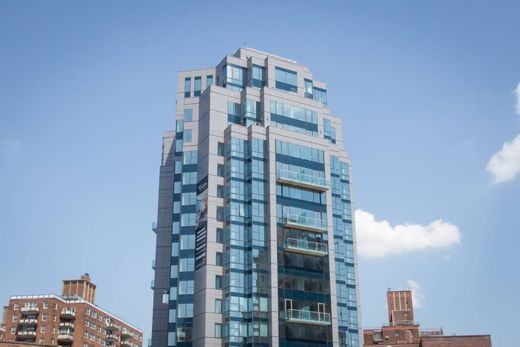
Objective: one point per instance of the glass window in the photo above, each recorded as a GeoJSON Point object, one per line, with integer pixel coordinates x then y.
{"type": "Point", "coordinates": [190, 157]}
{"type": "Point", "coordinates": [298, 151]}
{"type": "Point", "coordinates": [329, 132]}
{"type": "Point", "coordinates": [218, 259]}
{"type": "Point", "coordinates": [187, 241]}
{"type": "Point", "coordinates": [209, 80]}
{"type": "Point", "coordinates": [234, 77]}
{"type": "Point", "coordinates": [320, 95]}
{"type": "Point", "coordinates": [258, 76]}
{"type": "Point", "coordinates": [220, 170]}
{"type": "Point", "coordinates": [185, 287]}
{"type": "Point", "coordinates": [294, 118]}
{"type": "Point", "coordinates": [218, 282]}
{"type": "Point", "coordinates": [286, 80]}
{"type": "Point", "coordinates": [234, 115]}
{"type": "Point", "coordinates": [220, 191]}
{"type": "Point", "coordinates": [220, 149]}
{"type": "Point", "coordinates": [219, 235]}
{"type": "Point", "coordinates": [187, 87]}
{"type": "Point", "coordinates": [188, 115]}
{"type": "Point", "coordinates": [187, 135]}
{"type": "Point", "coordinates": [220, 213]}
{"type": "Point", "coordinates": [196, 86]}
{"type": "Point", "coordinates": [189, 198]}
{"type": "Point", "coordinates": [178, 145]}
{"type": "Point", "coordinates": [189, 178]}
{"type": "Point", "coordinates": [308, 88]}
{"type": "Point", "coordinates": [185, 310]}
{"type": "Point", "coordinates": [179, 127]}
{"type": "Point", "coordinates": [188, 219]}
{"type": "Point", "coordinates": [218, 306]}
{"type": "Point", "coordinates": [186, 264]}
{"type": "Point", "coordinates": [178, 166]}
{"type": "Point", "coordinates": [218, 330]}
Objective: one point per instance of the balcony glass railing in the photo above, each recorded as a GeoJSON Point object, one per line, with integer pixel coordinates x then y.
{"type": "Point", "coordinates": [304, 221]}
{"type": "Point", "coordinates": [304, 245]}
{"type": "Point", "coordinates": [308, 316]}
{"type": "Point", "coordinates": [302, 178]}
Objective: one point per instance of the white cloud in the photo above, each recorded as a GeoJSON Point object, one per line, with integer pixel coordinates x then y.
{"type": "Point", "coordinates": [10, 145]}
{"type": "Point", "coordinates": [377, 239]}
{"type": "Point", "coordinates": [504, 165]}
{"type": "Point", "coordinates": [517, 93]}
{"type": "Point", "coordinates": [418, 297]}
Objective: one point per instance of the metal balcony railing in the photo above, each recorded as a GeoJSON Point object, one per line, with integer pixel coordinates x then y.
{"type": "Point", "coordinates": [308, 317]}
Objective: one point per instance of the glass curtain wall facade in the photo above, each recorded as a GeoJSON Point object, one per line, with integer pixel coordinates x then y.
{"type": "Point", "coordinates": [255, 233]}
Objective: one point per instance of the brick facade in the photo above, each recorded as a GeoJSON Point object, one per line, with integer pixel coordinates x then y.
{"type": "Point", "coordinates": [403, 331]}
{"type": "Point", "coordinates": [65, 320]}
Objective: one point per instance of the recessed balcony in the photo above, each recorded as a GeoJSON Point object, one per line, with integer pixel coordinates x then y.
{"type": "Point", "coordinates": [30, 309]}
{"type": "Point", "coordinates": [302, 180]}
{"type": "Point", "coordinates": [68, 313]}
{"type": "Point", "coordinates": [304, 223]}
{"type": "Point", "coordinates": [306, 247]}
{"type": "Point", "coordinates": [307, 317]}
{"type": "Point", "coordinates": [28, 321]}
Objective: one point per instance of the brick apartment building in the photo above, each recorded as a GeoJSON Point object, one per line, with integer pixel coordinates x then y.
{"type": "Point", "coordinates": [69, 320]}
{"type": "Point", "coordinates": [403, 330]}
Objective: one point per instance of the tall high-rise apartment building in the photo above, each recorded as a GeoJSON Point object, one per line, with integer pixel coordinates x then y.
{"type": "Point", "coordinates": [255, 235]}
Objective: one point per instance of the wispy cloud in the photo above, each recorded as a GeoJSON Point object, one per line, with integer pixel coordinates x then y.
{"type": "Point", "coordinates": [418, 296]}
{"type": "Point", "coordinates": [10, 145]}
{"type": "Point", "coordinates": [377, 239]}
{"type": "Point", "coordinates": [504, 165]}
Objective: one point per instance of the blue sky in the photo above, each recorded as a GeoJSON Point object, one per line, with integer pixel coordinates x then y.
{"type": "Point", "coordinates": [425, 91]}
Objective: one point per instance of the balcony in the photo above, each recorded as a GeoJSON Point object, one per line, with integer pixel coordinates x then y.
{"type": "Point", "coordinates": [307, 317]}
{"type": "Point", "coordinates": [68, 313]}
{"type": "Point", "coordinates": [65, 337]}
{"type": "Point", "coordinates": [126, 333]}
{"type": "Point", "coordinates": [306, 247]}
{"type": "Point", "coordinates": [111, 338]}
{"type": "Point", "coordinates": [28, 321]}
{"type": "Point", "coordinates": [111, 327]}
{"type": "Point", "coordinates": [302, 180]}
{"type": "Point", "coordinates": [26, 334]}
{"type": "Point", "coordinates": [304, 223]}
{"type": "Point", "coordinates": [126, 343]}
{"type": "Point", "coordinates": [30, 309]}
{"type": "Point", "coordinates": [68, 325]}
